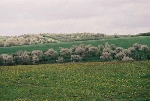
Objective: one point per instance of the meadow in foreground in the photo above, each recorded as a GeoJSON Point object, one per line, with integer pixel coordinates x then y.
{"type": "Point", "coordinates": [90, 81]}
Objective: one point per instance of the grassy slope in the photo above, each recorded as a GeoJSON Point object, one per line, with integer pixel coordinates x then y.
{"type": "Point", "coordinates": [95, 81]}
{"type": "Point", "coordinates": [123, 42]}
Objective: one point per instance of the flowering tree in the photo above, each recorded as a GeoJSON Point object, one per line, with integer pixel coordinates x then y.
{"type": "Point", "coordinates": [37, 56]}
{"type": "Point", "coordinates": [60, 60]}
{"type": "Point", "coordinates": [93, 50]}
{"type": "Point", "coordinates": [106, 56]}
{"type": "Point", "coordinates": [35, 59]}
{"type": "Point", "coordinates": [80, 50]}
{"type": "Point", "coordinates": [126, 58]}
{"type": "Point", "coordinates": [25, 58]}
{"type": "Point", "coordinates": [64, 52]}
{"type": "Point", "coordinates": [75, 58]}
{"type": "Point", "coordinates": [6, 59]}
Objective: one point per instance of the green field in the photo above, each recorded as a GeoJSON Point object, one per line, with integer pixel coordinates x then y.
{"type": "Point", "coordinates": [122, 42]}
{"type": "Point", "coordinates": [91, 81]}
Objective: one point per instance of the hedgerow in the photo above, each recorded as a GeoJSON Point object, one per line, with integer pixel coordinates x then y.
{"type": "Point", "coordinates": [82, 52]}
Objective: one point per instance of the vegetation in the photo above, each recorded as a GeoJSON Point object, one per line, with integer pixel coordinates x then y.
{"type": "Point", "coordinates": [144, 34]}
{"type": "Point", "coordinates": [32, 39]}
{"type": "Point", "coordinates": [97, 81]}
{"type": "Point", "coordinates": [124, 42]}
{"type": "Point", "coordinates": [78, 53]}
{"type": "Point", "coordinates": [115, 76]}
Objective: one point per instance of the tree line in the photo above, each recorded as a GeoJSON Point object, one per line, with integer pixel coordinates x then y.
{"type": "Point", "coordinates": [43, 38]}
{"type": "Point", "coordinates": [76, 53]}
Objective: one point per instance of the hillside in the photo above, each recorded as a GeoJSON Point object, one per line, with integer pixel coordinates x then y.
{"type": "Point", "coordinates": [96, 81]}
{"type": "Point", "coordinates": [124, 42]}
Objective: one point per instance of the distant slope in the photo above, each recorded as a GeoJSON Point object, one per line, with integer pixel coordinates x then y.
{"type": "Point", "coordinates": [124, 42]}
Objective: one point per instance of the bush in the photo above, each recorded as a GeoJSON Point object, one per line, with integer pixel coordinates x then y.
{"type": "Point", "coordinates": [35, 59]}
{"type": "Point", "coordinates": [106, 56]}
{"type": "Point", "coordinates": [6, 59]}
{"type": "Point", "coordinates": [126, 58]}
{"type": "Point", "coordinates": [60, 60]}
{"type": "Point", "coordinates": [75, 58]}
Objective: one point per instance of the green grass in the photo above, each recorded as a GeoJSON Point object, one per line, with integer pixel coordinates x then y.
{"type": "Point", "coordinates": [122, 42]}
{"type": "Point", "coordinates": [91, 81]}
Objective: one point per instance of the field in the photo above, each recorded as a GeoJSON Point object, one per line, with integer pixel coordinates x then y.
{"type": "Point", "coordinates": [90, 81]}
{"type": "Point", "coordinates": [122, 42]}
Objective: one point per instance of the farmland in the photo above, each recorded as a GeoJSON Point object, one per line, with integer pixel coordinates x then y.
{"type": "Point", "coordinates": [89, 81]}
{"type": "Point", "coordinates": [124, 42]}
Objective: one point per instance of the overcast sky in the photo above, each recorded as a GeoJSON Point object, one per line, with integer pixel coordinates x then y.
{"type": "Point", "coordinates": [69, 16]}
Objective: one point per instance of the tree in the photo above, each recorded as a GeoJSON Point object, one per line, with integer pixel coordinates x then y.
{"type": "Point", "coordinates": [107, 45]}
{"type": "Point", "coordinates": [50, 54]}
{"type": "Point", "coordinates": [106, 56]}
{"type": "Point", "coordinates": [137, 46]}
{"type": "Point", "coordinates": [73, 48]}
{"type": "Point", "coordinates": [100, 49]}
{"type": "Point", "coordinates": [25, 58]}
{"type": "Point", "coordinates": [64, 52]}
{"type": "Point", "coordinates": [37, 54]}
{"type": "Point", "coordinates": [107, 49]}
{"type": "Point", "coordinates": [60, 60]}
{"type": "Point", "coordinates": [93, 50]}
{"type": "Point", "coordinates": [113, 47]}
{"type": "Point", "coordinates": [75, 58]}
{"type": "Point", "coordinates": [120, 55]}
{"type": "Point", "coordinates": [126, 58]}
{"type": "Point", "coordinates": [6, 59]}
{"type": "Point", "coordinates": [118, 49]}
{"type": "Point", "coordinates": [145, 49]}
{"type": "Point", "coordinates": [35, 59]}
{"type": "Point", "coordinates": [80, 50]}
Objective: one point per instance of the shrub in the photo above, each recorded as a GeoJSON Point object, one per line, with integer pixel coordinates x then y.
{"type": "Point", "coordinates": [120, 55]}
{"type": "Point", "coordinates": [107, 49]}
{"type": "Point", "coordinates": [75, 58]}
{"type": "Point", "coordinates": [126, 58]}
{"type": "Point", "coordinates": [106, 56]}
{"type": "Point", "coordinates": [118, 49]}
{"type": "Point", "coordinates": [144, 48]}
{"type": "Point", "coordinates": [25, 58]}
{"type": "Point", "coordinates": [79, 50]}
{"type": "Point", "coordinates": [60, 60]}
{"type": "Point", "coordinates": [38, 53]}
{"type": "Point", "coordinates": [6, 59]}
{"type": "Point", "coordinates": [49, 52]}
{"type": "Point", "coordinates": [64, 51]}
{"type": "Point", "coordinates": [137, 46]}
{"type": "Point", "coordinates": [93, 50]}
{"type": "Point", "coordinates": [35, 59]}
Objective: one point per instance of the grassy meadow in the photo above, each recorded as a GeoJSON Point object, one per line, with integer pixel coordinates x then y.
{"type": "Point", "coordinates": [124, 42]}
{"type": "Point", "coordinates": [89, 81]}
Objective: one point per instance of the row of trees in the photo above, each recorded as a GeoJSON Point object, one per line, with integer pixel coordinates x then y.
{"type": "Point", "coordinates": [76, 53]}
{"type": "Point", "coordinates": [144, 34]}
{"type": "Point", "coordinates": [26, 39]}
{"type": "Point", "coordinates": [31, 39]}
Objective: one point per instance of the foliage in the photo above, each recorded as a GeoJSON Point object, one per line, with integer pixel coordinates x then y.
{"type": "Point", "coordinates": [81, 53]}
{"type": "Point", "coordinates": [75, 58]}
{"type": "Point", "coordinates": [6, 59]}
{"type": "Point", "coordinates": [60, 60]}
{"type": "Point", "coordinates": [144, 34]}
{"type": "Point", "coordinates": [119, 42]}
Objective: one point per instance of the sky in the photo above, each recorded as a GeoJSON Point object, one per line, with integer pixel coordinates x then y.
{"type": "Point", "coordinates": [19, 17]}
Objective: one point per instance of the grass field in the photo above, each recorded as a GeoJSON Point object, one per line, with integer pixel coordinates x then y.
{"type": "Point", "coordinates": [91, 81]}
{"type": "Point", "coordinates": [122, 42]}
